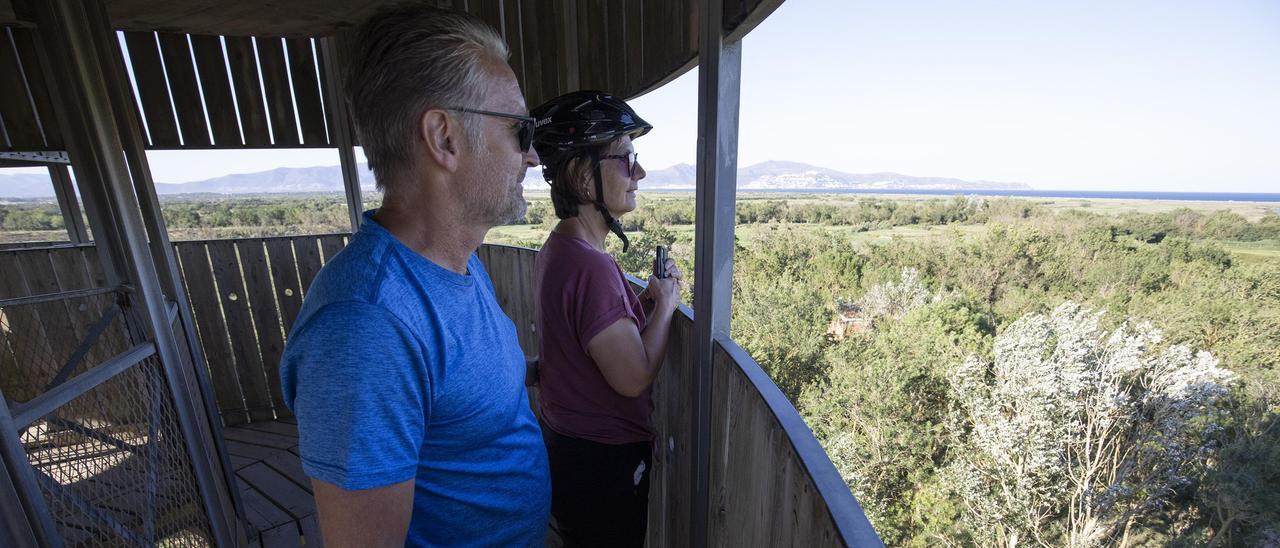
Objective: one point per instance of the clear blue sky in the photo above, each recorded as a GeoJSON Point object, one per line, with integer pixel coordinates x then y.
{"type": "Point", "coordinates": [1130, 95]}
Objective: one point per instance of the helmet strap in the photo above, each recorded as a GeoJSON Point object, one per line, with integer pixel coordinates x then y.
{"type": "Point", "coordinates": [613, 224]}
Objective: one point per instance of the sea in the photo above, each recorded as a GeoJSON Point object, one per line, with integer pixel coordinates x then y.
{"type": "Point", "coordinates": [1092, 194]}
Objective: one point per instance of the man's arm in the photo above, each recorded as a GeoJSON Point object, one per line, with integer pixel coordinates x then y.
{"type": "Point", "coordinates": [368, 517]}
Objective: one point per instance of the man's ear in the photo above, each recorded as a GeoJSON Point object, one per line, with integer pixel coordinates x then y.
{"type": "Point", "coordinates": [441, 136]}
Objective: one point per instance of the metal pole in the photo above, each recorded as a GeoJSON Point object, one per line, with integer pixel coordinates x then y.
{"type": "Point", "coordinates": [340, 134]}
{"type": "Point", "coordinates": [130, 128]}
{"type": "Point", "coordinates": [15, 529]}
{"type": "Point", "coordinates": [29, 518]}
{"type": "Point", "coordinates": [719, 80]}
{"type": "Point", "coordinates": [67, 202]}
{"type": "Point", "coordinates": [94, 143]}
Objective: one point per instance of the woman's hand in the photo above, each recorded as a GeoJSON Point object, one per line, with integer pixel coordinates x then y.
{"type": "Point", "coordinates": [664, 293]}
{"type": "Point", "coordinates": [665, 288]}
{"type": "Point", "coordinates": [673, 272]}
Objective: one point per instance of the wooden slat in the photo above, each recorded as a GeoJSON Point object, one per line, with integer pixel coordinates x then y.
{"type": "Point", "coordinates": [513, 35]}
{"type": "Point", "coordinates": [262, 439]}
{"type": "Point", "coordinates": [25, 40]}
{"type": "Point", "coordinates": [248, 450]}
{"type": "Point", "coordinates": [238, 462]}
{"type": "Point", "coordinates": [18, 112]}
{"type": "Point", "coordinates": [29, 342]}
{"type": "Point", "coordinates": [331, 245]}
{"type": "Point", "coordinates": [593, 29]}
{"type": "Point", "coordinates": [688, 13]}
{"type": "Point", "coordinates": [72, 273]}
{"type": "Point", "coordinates": [633, 32]}
{"type": "Point", "coordinates": [176, 53]}
{"type": "Point", "coordinates": [274, 427]}
{"type": "Point", "coordinates": [266, 315]}
{"type": "Point", "coordinates": [149, 76]}
{"type": "Point", "coordinates": [239, 318]}
{"type": "Point", "coordinates": [541, 35]}
{"type": "Point", "coordinates": [260, 512]}
{"type": "Point", "coordinates": [746, 437]}
{"type": "Point", "coordinates": [306, 90]}
{"type": "Point", "coordinates": [311, 532]}
{"type": "Point", "coordinates": [307, 254]}
{"type": "Point", "coordinates": [211, 66]}
{"type": "Point", "coordinates": [670, 494]}
{"type": "Point", "coordinates": [248, 92]}
{"type": "Point", "coordinates": [290, 466]}
{"type": "Point", "coordinates": [284, 126]}
{"type": "Point", "coordinates": [284, 274]}
{"type": "Point", "coordinates": [615, 21]}
{"type": "Point", "coordinates": [212, 330]}
{"type": "Point", "coordinates": [281, 490]}
{"type": "Point", "coordinates": [282, 536]}
{"type": "Point", "coordinates": [56, 317]}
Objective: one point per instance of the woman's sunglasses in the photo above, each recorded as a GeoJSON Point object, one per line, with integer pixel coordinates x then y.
{"type": "Point", "coordinates": [630, 158]}
{"type": "Point", "coordinates": [524, 130]}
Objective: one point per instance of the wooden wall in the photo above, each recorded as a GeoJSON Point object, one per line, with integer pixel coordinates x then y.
{"type": "Point", "coordinates": [209, 78]}
{"type": "Point", "coordinates": [771, 484]}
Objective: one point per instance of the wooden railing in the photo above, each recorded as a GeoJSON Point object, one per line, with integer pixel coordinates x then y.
{"type": "Point", "coordinates": [770, 484]}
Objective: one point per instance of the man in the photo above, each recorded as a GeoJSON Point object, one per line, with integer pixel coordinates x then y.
{"type": "Point", "coordinates": [406, 377]}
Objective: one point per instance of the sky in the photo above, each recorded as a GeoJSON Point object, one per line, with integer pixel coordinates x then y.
{"type": "Point", "coordinates": [1132, 95]}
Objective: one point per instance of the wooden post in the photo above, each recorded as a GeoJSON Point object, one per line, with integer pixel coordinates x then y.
{"type": "Point", "coordinates": [719, 80]}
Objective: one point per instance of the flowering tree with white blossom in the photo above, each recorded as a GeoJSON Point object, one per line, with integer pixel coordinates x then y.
{"type": "Point", "coordinates": [1072, 433]}
{"type": "Point", "coordinates": [895, 299]}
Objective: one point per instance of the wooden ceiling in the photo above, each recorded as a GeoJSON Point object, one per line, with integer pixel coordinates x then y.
{"type": "Point", "coordinates": [249, 74]}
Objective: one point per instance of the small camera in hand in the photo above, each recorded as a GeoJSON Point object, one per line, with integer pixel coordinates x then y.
{"type": "Point", "coordinates": [660, 263]}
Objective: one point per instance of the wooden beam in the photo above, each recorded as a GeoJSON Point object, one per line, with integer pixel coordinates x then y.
{"type": "Point", "coordinates": [719, 81]}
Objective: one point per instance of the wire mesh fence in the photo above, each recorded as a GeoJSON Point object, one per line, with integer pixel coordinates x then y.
{"type": "Point", "coordinates": [111, 463]}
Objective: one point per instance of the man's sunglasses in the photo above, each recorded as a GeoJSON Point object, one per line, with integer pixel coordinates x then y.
{"type": "Point", "coordinates": [524, 130]}
{"type": "Point", "coordinates": [630, 158]}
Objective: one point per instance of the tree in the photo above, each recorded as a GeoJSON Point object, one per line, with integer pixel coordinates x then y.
{"type": "Point", "coordinates": [1071, 421]}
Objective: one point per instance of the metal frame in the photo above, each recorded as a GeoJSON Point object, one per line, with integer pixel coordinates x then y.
{"type": "Point", "coordinates": [29, 506]}
{"type": "Point", "coordinates": [68, 204]}
{"type": "Point", "coordinates": [76, 35]}
{"type": "Point", "coordinates": [719, 82]}
{"type": "Point", "coordinates": [340, 133]}
{"type": "Point", "coordinates": [38, 158]}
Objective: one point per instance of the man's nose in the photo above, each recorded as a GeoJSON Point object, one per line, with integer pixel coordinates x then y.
{"type": "Point", "coordinates": [531, 158]}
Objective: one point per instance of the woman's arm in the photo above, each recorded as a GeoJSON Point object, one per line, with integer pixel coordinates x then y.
{"type": "Point", "coordinates": [628, 358]}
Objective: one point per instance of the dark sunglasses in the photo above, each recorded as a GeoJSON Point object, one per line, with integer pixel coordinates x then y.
{"type": "Point", "coordinates": [630, 158]}
{"type": "Point", "coordinates": [524, 130]}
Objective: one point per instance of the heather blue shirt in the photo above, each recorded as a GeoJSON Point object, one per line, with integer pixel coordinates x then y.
{"type": "Point", "coordinates": [400, 369]}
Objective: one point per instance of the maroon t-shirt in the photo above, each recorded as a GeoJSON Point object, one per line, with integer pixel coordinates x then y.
{"type": "Point", "coordinates": [581, 291]}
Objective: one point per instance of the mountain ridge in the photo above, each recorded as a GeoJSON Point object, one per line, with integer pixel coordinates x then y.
{"type": "Point", "coordinates": [768, 175]}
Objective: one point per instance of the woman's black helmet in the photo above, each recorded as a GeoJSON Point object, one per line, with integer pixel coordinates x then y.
{"type": "Point", "coordinates": [582, 119]}
{"type": "Point", "coordinates": [579, 123]}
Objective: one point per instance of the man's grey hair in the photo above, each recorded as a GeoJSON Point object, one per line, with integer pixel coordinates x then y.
{"type": "Point", "coordinates": [410, 59]}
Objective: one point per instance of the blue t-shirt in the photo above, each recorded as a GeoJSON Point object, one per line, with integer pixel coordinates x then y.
{"type": "Point", "coordinates": [398, 369]}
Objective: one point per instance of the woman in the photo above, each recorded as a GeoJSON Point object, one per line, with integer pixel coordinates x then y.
{"type": "Point", "coordinates": [600, 344]}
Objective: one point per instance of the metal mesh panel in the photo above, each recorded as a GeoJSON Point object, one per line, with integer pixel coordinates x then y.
{"type": "Point", "coordinates": [111, 463]}
{"type": "Point", "coordinates": [38, 341]}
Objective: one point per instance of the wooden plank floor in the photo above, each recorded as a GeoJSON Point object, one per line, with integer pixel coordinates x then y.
{"type": "Point", "coordinates": [279, 507]}
{"type": "Point", "coordinates": [276, 493]}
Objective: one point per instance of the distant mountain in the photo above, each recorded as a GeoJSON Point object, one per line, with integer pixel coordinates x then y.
{"type": "Point", "coordinates": [775, 175]}
{"type": "Point", "coordinates": [771, 175]}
